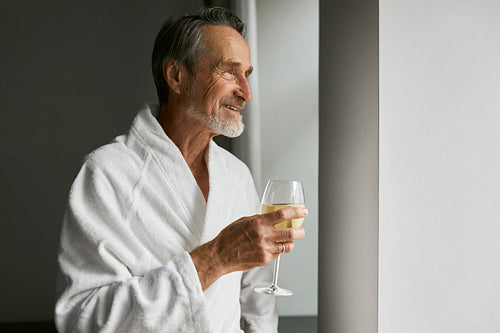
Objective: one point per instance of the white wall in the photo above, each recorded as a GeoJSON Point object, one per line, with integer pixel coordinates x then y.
{"type": "Point", "coordinates": [439, 166]}
{"type": "Point", "coordinates": [288, 72]}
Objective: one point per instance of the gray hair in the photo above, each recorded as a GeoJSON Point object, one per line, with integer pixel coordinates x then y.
{"type": "Point", "coordinates": [180, 38]}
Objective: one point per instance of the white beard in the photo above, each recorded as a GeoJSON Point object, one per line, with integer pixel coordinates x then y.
{"type": "Point", "coordinates": [229, 128]}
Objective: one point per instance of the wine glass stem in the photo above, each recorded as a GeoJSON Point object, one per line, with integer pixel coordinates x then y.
{"type": "Point", "coordinates": [276, 270]}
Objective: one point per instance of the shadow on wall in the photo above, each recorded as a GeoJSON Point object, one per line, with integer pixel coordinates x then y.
{"type": "Point", "coordinates": [29, 327]}
{"type": "Point", "coordinates": [73, 75]}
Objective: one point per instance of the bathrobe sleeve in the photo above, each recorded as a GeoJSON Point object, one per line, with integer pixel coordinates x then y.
{"type": "Point", "coordinates": [99, 289]}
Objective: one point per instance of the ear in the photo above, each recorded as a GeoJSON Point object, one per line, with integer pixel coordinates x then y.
{"type": "Point", "coordinates": [173, 74]}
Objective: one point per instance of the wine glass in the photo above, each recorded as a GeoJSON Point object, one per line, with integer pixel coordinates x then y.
{"type": "Point", "coordinates": [279, 194]}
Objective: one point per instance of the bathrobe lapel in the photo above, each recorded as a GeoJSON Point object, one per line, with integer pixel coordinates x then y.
{"type": "Point", "coordinates": [217, 207]}
{"type": "Point", "coordinates": [205, 219]}
{"type": "Point", "coordinates": [224, 204]}
{"type": "Point", "coordinates": [184, 192]}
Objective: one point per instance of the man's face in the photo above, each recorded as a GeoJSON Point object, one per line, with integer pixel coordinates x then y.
{"type": "Point", "coordinates": [219, 88]}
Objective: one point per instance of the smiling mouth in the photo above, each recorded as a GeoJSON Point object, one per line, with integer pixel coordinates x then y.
{"type": "Point", "coordinates": [231, 107]}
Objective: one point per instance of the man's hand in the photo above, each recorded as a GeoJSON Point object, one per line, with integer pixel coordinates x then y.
{"type": "Point", "coordinates": [247, 243]}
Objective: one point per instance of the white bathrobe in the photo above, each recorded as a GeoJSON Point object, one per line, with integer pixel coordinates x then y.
{"type": "Point", "coordinates": [134, 212]}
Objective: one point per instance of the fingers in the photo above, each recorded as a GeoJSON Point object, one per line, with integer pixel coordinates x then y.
{"type": "Point", "coordinates": [288, 234]}
{"type": "Point", "coordinates": [249, 242]}
{"type": "Point", "coordinates": [287, 213]}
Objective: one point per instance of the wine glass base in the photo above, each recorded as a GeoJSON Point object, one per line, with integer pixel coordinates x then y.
{"type": "Point", "coordinates": [274, 291]}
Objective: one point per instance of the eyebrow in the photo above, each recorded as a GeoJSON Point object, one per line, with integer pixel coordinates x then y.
{"type": "Point", "coordinates": [222, 62]}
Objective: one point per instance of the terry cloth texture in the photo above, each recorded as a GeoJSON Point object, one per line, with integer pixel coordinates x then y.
{"type": "Point", "coordinates": [134, 213]}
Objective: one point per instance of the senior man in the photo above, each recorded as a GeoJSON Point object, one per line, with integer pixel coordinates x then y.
{"type": "Point", "coordinates": [160, 234]}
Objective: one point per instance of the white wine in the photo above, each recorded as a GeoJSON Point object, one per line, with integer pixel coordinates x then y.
{"type": "Point", "coordinates": [294, 223]}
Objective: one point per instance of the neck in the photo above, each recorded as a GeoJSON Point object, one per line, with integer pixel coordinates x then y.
{"type": "Point", "coordinates": [189, 135]}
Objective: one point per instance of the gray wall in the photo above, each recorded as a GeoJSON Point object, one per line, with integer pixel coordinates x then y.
{"type": "Point", "coordinates": [348, 166]}
{"type": "Point", "coordinates": [72, 75]}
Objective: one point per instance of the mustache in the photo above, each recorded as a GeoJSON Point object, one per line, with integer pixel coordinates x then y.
{"type": "Point", "coordinates": [234, 100]}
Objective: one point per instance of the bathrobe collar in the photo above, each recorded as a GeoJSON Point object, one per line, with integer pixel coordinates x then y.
{"type": "Point", "coordinates": [206, 216]}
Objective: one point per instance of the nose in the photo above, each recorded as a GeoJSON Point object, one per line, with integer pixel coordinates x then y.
{"type": "Point", "coordinates": [244, 90]}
